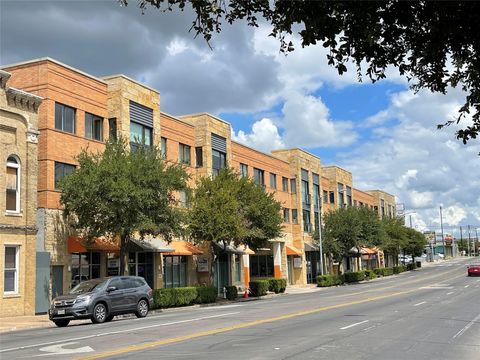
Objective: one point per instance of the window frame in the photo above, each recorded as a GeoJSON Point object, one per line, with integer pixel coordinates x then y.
{"type": "Point", "coordinates": [199, 156]}
{"type": "Point", "coordinates": [133, 142]}
{"type": "Point", "coordinates": [286, 215]}
{"type": "Point", "coordinates": [15, 270]}
{"type": "Point", "coordinates": [273, 181]}
{"type": "Point", "coordinates": [17, 166]}
{"type": "Point", "coordinates": [284, 184]}
{"type": "Point", "coordinates": [293, 186]}
{"type": "Point", "coordinates": [112, 129]}
{"type": "Point", "coordinates": [222, 160]}
{"type": "Point", "coordinates": [243, 170]}
{"type": "Point", "coordinates": [184, 154]}
{"type": "Point", "coordinates": [182, 261]}
{"type": "Point", "coordinates": [92, 118]}
{"type": "Point", "coordinates": [163, 147]}
{"type": "Point", "coordinates": [55, 179]}
{"type": "Point", "coordinates": [260, 179]}
{"type": "Point", "coordinates": [62, 120]}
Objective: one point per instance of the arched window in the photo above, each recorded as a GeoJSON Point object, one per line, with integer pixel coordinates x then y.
{"type": "Point", "coordinates": [13, 185]}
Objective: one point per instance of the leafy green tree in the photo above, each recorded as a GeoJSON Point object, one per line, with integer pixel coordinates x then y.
{"type": "Point", "coordinates": [230, 209]}
{"type": "Point", "coordinates": [434, 44]}
{"type": "Point", "coordinates": [415, 242]}
{"type": "Point", "coordinates": [120, 192]}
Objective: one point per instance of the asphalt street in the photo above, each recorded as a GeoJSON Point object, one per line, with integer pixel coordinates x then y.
{"type": "Point", "coordinates": [431, 313]}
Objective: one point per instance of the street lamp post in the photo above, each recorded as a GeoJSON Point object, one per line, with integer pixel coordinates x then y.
{"type": "Point", "coordinates": [320, 249]}
{"type": "Point", "coordinates": [443, 238]}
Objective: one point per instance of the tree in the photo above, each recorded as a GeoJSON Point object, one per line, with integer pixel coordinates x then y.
{"type": "Point", "coordinates": [120, 192]}
{"type": "Point", "coordinates": [395, 236]}
{"type": "Point", "coordinates": [229, 209]}
{"type": "Point", "coordinates": [434, 44]}
{"type": "Point", "coordinates": [415, 243]}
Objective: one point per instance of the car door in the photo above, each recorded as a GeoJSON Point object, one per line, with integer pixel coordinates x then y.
{"type": "Point", "coordinates": [130, 294]}
{"type": "Point", "coordinates": [117, 297]}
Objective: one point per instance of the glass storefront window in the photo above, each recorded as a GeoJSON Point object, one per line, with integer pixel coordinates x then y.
{"type": "Point", "coordinates": [175, 271]}
{"type": "Point", "coordinates": [85, 266]}
{"type": "Point", "coordinates": [141, 264]}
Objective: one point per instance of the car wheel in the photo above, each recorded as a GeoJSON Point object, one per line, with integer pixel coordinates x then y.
{"type": "Point", "coordinates": [142, 308]}
{"type": "Point", "coordinates": [61, 323]}
{"type": "Point", "coordinates": [99, 313]}
{"type": "Point", "coordinates": [109, 318]}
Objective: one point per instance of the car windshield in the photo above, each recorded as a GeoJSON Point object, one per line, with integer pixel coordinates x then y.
{"type": "Point", "coordinates": [88, 286]}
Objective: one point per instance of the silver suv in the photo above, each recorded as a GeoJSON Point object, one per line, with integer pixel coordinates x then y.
{"type": "Point", "coordinates": [101, 299]}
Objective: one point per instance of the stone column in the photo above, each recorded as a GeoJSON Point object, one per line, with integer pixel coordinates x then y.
{"type": "Point", "coordinates": [246, 270]}
{"type": "Point", "coordinates": [277, 260]}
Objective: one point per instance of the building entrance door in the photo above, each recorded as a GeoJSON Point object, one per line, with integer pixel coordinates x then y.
{"type": "Point", "coordinates": [290, 269]}
{"type": "Point", "coordinates": [221, 271]}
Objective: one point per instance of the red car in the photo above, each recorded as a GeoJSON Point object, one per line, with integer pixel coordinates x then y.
{"type": "Point", "coordinates": [473, 270]}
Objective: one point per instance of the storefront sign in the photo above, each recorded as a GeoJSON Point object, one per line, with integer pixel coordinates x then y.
{"type": "Point", "coordinates": [113, 267]}
{"type": "Point", "coordinates": [202, 265]}
{"type": "Point", "coordinates": [297, 262]}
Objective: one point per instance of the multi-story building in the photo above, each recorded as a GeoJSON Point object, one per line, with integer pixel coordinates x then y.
{"type": "Point", "coordinates": [81, 111]}
{"type": "Point", "coordinates": [18, 206]}
{"type": "Point", "coordinates": [384, 203]}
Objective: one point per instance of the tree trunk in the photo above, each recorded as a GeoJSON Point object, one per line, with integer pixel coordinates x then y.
{"type": "Point", "coordinates": [124, 238]}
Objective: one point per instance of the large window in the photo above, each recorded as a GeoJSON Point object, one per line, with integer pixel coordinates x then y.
{"type": "Point", "coordinates": [10, 277]}
{"type": "Point", "coordinates": [316, 190]}
{"type": "Point", "coordinates": [305, 193]}
{"type": "Point", "coordinates": [341, 201]}
{"type": "Point", "coordinates": [85, 266]}
{"type": "Point", "coordinates": [349, 196]}
{"type": "Point", "coordinates": [286, 215]}
{"type": "Point", "coordinates": [141, 264]}
{"type": "Point", "coordinates": [219, 161]}
{"type": "Point", "coordinates": [243, 170]}
{"type": "Point", "coordinates": [175, 271]}
{"type": "Point", "coordinates": [273, 181]}
{"type": "Point", "coordinates": [93, 127]}
{"type": "Point", "coordinates": [261, 265]}
{"type": "Point", "coordinates": [13, 185]}
{"type": "Point", "coordinates": [62, 170]}
{"type": "Point", "coordinates": [284, 184]}
{"type": "Point", "coordinates": [140, 135]}
{"type": "Point", "coordinates": [184, 154]}
{"type": "Point", "coordinates": [163, 147]}
{"type": "Point", "coordinates": [64, 118]}
{"type": "Point", "coordinates": [307, 226]}
{"type": "Point", "coordinates": [259, 176]}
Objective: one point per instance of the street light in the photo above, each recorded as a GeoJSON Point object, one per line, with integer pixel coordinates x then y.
{"type": "Point", "coordinates": [443, 238]}
{"type": "Point", "coordinates": [319, 204]}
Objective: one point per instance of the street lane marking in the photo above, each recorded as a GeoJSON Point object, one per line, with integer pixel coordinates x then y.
{"type": "Point", "coordinates": [59, 350]}
{"type": "Point", "coordinates": [117, 332]}
{"type": "Point", "coordinates": [450, 293]}
{"type": "Point", "coordinates": [462, 331]}
{"type": "Point", "coordinates": [420, 303]}
{"type": "Point", "coordinates": [350, 326]}
{"type": "Point", "coordinates": [466, 286]}
{"type": "Point", "coordinates": [436, 287]}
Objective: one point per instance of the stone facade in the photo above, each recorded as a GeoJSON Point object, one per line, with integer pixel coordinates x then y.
{"type": "Point", "coordinates": [19, 139]}
{"type": "Point", "coordinates": [384, 203]}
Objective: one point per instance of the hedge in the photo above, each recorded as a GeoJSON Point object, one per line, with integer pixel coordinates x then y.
{"type": "Point", "coordinates": [259, 287]}
{"type": "Point", "coordinates": [399, 269]}
{"type": "Point", "coordinates": [183, 296]}
{"type": "Point", "coordinates": [231, 292]}
{"type": "Point", "coordinates": [330, 280]}
{"type": "Point", "coordinates": [277, 285]}
{"type": "Point", "coordinates": [356, 276]}
{"type": "Point", "coordinates": [370, 274]}
{"type": "Point", "coordinates": [383, 271]}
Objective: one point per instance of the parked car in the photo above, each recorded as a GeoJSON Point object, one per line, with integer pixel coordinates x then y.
{"type": "Point", "coordinates": [473, 270]}
{"type": "Point", "coordinates": [101, 299]}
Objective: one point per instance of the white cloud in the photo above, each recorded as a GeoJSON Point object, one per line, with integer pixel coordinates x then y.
{"type": "Point", "coordinates": [264, 136]}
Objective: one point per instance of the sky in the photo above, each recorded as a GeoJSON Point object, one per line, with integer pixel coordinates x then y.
{"type": "Point", "coordinates": [383, 133]}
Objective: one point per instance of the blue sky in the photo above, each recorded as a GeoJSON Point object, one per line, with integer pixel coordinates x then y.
{"type": "Point", "coordinates": [383, 133]}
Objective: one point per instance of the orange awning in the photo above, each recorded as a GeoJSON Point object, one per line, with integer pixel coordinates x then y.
{"type": "Point", "coordinates": [291, 250]}
{"type": "Point", "coordinates": [184, 248]}
{"type": "Point", "coordinates": [368, 251]}
{"type": "Point", "coordinates": [76, 244]}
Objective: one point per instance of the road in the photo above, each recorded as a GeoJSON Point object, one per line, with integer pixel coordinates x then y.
{"type": "Point", "coordinates": [432, 313]}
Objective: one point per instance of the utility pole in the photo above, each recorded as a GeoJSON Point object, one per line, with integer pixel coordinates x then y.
{"type": "Point", "coordinates": [410, 217]}
{"type": "Point", "coordinates": [320, 249]}
{"type": "Point", "coordinates": [461, 236]}
{"type": "Point", "coordinates": [443, 237]}
{"type": "Point", "coordinates": [469, 253]}
{"type": "Point", "coordinates": [476, 240]}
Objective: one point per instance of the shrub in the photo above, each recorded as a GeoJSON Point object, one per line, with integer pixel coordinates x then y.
{"type": "Point", "coordinates": [232, 292]}
{"type": "Point", "coordinates": [185, 295]}
{"type": "Point", "coordinates": [384, 271]}
{"type": "Point", "coordinates": [354, 276]}
{"type": "Point", "coordinates": [411, 266]}
{"type": "Point", "coordinates": [418, 264]}
{"type": "Point", "coordinates": [206, 294]}
{"type": "Point", "coordinates": [163, 298]}
{"type": "Point", "coordinates": [259, 287]}
{"type": "Point", "coordinates": [330, 280]}
{"type": "Point", "coordinates": [277, 285]}
{"type": "Point", "coordinates": [370, 274]}
{"type": "Point", "coordinates": [399, 269]}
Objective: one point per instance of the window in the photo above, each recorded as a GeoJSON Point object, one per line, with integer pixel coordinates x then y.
{"type": "Point", "coordinates": [286, 215]}
{"type": "Point", "coordinates": [93, 127]}
{"type": "Point", "coordinates": [238, 267]}
{"type": "Point", "coordinates": [243, 170]}
{"type": "Point", "coordinates": [163, 147]}
{"type": "Point", "coordinates": [316, 219]}
{"type": "Point", "coordinates": [140, 135]}
{"type": "Point", "coordinates": [316, 190]}
{"type": "Point", "coordinates": [261, 265]}
{"type": "Point", "coordinates": [325, 196]}
{"type": "Point", "coordinates": [284, 184]}
{"type": "Point", "coordinates": [184, 154]}
{"type": "Point", "coordinates": [141, 264]}
{"type": "Point", "coordinates": [85, 266]}
{"type": "Point", "coordinates": [64, 118]}
{"type": "Point", "coordinates": [62, 170]}
{"type": "Point", "coordinates": [349, 196]}
{"type": "Point", "coordinates": [341, 201]}
{"type": "Point", "coordinates": [219, 161]}
{"type": "Point", "coordinates": [294, 216]}
{"type": "Point", "coordinates": [332, 197]}
{"type": "Point", "coordinates": [382, 205]}
{"type": "Point", "coordinates": [305, 193]}
{"type": "Point", "coordinates": [273, 181]}
{"type": "Point", "coordinates": [307, 226]}
{"type": "Point", "coordinates": [293, 186]}
{"type": "Point", "coordinates": [112, 129]}
{"type": "Point", "coordinates": [175, 271]}
{"type": "Point", "coordinates": [199, 156]}
{"type": "Point", "coordinates": [10, 277]}
{"type": "Point", "coordinates": [13, 185]}
{"type": "Point", "coordinates": [258, 176]}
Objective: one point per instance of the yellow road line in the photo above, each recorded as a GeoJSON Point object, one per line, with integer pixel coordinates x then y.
{"type": "Point", "coordinates": [156, 343]}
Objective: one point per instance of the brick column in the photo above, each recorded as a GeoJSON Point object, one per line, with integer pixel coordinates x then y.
{"type": "Point", "coordinates": [277, 260]}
